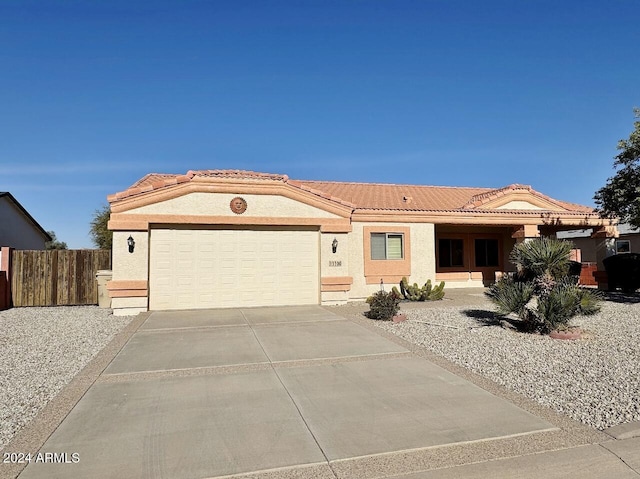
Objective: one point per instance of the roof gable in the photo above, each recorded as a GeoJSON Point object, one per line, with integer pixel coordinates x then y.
{"type": "Point", "coordinates": [518, 197]}
{"type": "Point", "coordinates": [11, 200]}
{"type": "Point", "coordinates": [155, 188]}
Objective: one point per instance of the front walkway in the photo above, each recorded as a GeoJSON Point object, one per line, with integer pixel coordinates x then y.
{"type": "Point", "coordinates": [299, 392]}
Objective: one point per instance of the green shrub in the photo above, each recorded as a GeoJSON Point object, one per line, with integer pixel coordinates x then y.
{"type": "Point", "coordinates": [383, 305]}
{"type": "Point", "coordinates": [543, 293]}
{"type": "Point", "coordinates": [510, 296]}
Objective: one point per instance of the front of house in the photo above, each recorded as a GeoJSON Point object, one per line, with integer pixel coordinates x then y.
{"type": "Point", "coordinates": [230, 238]}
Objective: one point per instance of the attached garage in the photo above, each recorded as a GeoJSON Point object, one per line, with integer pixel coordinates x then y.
{"type": "Point", "coordinates": [233, 238]}
{"type": "Point", "coordinates": [192, 268]}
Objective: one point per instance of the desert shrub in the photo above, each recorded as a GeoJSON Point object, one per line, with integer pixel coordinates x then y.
{"type": "Point", "coordinates": [383, 305]}
{"type": "Point", "coordinates": [623, 271]}
{"type": "Point", "coordinates": [413, 292]}
{"type": "Point", "coordinates": [543, 293]}
{"type": "Point", "coordinates": [511, 296]}
{"type": "Point", "coordinates": [542, 257]}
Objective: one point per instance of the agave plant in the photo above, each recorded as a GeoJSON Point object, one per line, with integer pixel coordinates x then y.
{"type": "Point", "coordinates": [541, 292]}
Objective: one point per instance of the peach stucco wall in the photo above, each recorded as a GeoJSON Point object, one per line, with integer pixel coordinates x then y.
{"type": "Point", "coordinates": [131, 270]}
{"type": "Point", "coordinates": [421, 239]}
{"type": "Point", "coordinates": [217, 204]}
{"type": "Point", "coordinates": [128, 267]}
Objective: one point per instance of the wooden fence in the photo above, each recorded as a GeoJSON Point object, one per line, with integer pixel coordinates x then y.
{"type": "Point", "coordinates": [56, 277]}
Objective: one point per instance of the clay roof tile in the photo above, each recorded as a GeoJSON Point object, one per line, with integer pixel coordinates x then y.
{"type": "Point", "coordinates": [361, 196]}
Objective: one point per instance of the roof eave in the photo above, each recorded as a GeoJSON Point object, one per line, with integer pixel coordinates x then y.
{"type": "Point", "coordinates": [46, 235]}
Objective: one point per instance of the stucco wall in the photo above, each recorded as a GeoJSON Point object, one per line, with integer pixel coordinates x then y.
{"type": "Point", "coordinates": [469, 275]}
{"type": "Point", "coordinates": [334, 264]}
{"type": "Point", "coordinates": [130, 266]}
{"type": "Point", "coordinates": [217, 204]}
{"type": "Point", "coordinates": [132, 269]}
{"type": "Point", "coordinates": [587, 247]}
{"type": "Point", "coordinates": [422, 243]}
{"type": "Point", "coordinates": [16, 230]}
{"type": "Point", "coordinates": [518, 205]}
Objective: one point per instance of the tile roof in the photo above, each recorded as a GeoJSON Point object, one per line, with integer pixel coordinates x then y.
{"type": "Point", "coordinates": [237, 174]}
{"type": "Point", "coordinates": [380, 196]}
{"type": "Point", "coordinates": [155, 181]}
{"type": "Point", "coordinates": [360, 196]}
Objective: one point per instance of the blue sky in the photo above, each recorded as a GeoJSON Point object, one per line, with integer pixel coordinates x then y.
{"type": "Point", "coordinates": [96, 94]}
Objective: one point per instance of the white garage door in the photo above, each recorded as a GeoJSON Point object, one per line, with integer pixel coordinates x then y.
{"type": "Point", "coordinates": [214, 268]}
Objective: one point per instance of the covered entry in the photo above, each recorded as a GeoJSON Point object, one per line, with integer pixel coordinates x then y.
{"type": "Point", "coordinates": [194, 268]}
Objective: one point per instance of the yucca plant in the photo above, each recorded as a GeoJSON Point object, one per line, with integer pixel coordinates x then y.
{"type": "Point", "coordinates": [541, 292]}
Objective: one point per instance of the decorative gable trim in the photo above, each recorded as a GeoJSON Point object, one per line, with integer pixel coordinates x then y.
{"type": "Point", "coordinates": [164, 189]}
{"type": "Point", "coordinates": [513, 197]}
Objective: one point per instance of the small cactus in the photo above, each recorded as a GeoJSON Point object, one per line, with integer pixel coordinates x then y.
{"type": "Point", "coordinates": [437, 293]}
{"type": "Point", "coordinates": [427, 289]}
{"type": "Point", "coordinates": [416, 293]}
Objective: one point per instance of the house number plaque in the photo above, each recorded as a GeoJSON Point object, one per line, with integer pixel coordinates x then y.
{"type": "Point", "coordinates": [335, 263]}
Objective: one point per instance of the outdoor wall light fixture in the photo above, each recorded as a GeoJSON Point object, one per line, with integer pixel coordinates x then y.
{"type": "Point", "coordinates": [334, 245]}
{"type": "Point", "coordinates": [131, 243]}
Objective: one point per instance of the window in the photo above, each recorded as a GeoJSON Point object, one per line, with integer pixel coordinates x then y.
{"type": "Point", "coordinates": [487, 253]}
{"type": "Point", "coordinates": [387, 246]}
{"type": "Point", "coordinates": [623, 246]}
{"type": "Point", "coordinates": [450, 253]}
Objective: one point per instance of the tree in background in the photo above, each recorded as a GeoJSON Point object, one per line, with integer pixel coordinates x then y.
{"type": "Point", "coordinates": [54, 243]}
{"type": "Point", "coordinates": [100, 234]}
{"type": "Point", "coordinates": [621, 195]}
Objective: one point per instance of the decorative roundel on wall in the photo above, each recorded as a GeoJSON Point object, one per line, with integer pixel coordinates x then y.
{"type": "Point", "coordinates": [238, 205]}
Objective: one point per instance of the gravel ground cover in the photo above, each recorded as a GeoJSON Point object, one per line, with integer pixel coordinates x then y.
{"type": "Point", "coordinates": [594, 380]}
{"type": "Point", "coordinates": [41, 350]}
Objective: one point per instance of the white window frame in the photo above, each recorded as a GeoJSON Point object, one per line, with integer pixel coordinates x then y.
{"type": "Point", "coordinates": [619, 243]}
{"type": "Point", "coordinates": [386, 246]}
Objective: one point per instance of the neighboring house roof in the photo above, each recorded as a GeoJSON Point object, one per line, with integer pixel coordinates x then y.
{"type": "Point", "coordinates": [377, 196]}
{"type": "Point", "coordinates": [627, 229]}
{"type": "Point", "coordinates": [9, 196]}
{"type": "Point", "coordinates": [623, 229]}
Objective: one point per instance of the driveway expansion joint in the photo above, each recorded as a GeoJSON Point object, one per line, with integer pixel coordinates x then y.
{"type": "Point", "coordinates": [304, 420]}
{"type": "Point", "coordinates": [618, 456]}
{"type": "Point", "coordinates": [182, 372]}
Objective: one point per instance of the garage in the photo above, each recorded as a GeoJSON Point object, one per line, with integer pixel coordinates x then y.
{"type": "Point", "coordinates": [195, 268]}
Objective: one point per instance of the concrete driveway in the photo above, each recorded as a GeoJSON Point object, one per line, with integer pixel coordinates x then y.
{"type": "Point", "coordinates": [279, 392]}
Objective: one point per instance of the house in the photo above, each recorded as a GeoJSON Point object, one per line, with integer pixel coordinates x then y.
{"type": "Point", "coordinates": [628, 241]}
{"type": "Point", "coordinates": [18, 229]}
{"type": "Point", "coordinates": [229, 238]}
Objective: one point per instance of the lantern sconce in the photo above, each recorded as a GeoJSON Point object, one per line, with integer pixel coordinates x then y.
{"type": "Point", "coordinates": [334, 245]}
{"type": "Point", "coordinates": [131, 243]}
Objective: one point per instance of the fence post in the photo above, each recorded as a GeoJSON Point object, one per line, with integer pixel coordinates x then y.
{"type": "Point", "coordinates": [5, 277]}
